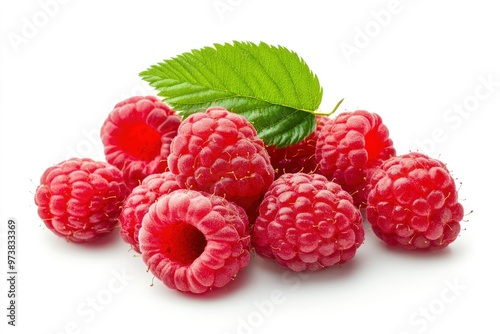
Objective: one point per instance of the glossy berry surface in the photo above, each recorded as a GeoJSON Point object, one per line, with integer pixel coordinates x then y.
{"type": "Point", "coordinates": [307, 223]}
{"type": "Point", "coordinates": [80, 199]}
{"type": "Point", "coordinates": [138, 202]}
{"type": "Point", "coordinates": [137, 135]}
{"type": "Point", "coordinates": [193, 241]}
{"type": "Point", "coordinates": [219, 152]}
{"type": "Point", "coordinates": [350, 147]}
{"type": "Point", "coordinates": [414, 203]}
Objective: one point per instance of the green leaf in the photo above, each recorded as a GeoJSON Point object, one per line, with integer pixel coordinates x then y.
{"type": "Point", "coordinates": [269, 85]}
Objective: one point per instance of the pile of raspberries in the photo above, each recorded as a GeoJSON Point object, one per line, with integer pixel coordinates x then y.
{"type": "Point", "coordinates": [196, 196]}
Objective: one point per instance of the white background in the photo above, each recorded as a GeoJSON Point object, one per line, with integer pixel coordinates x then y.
{"type": "Point", "coordinates": [65, 64]}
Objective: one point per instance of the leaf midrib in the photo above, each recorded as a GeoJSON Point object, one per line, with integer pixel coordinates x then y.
{"type": "Point", "coordinates": [178, 82]}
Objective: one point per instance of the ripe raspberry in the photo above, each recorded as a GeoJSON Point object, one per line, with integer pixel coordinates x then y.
{"type": "Point", "coordinates": [414, 203]}
{"type": "Point", "coordinates": [138, 202]}
{"type": "Point", "coordinates": [137, 136]}
{"type": "Point", "coordinates": [299, 157]}
{"type": "Point", "coordinates": [350, 147]}
{"type": "Point", "coordinates": [193, 241]}
{"type": "Point", "coordinates": [218, 152]}
{"type": "Point", "coordinates": [80, 199]}
{"type": "Point", "coordinates": [307, 223]}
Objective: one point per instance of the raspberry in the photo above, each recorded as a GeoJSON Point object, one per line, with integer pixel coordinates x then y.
{"type": "Point", "coordinates": [350, 147]}
{"type": "Point", "coordinates": [193, 241]}
{"type": "Point", "coordinates": [299, 157]}
{"type": "Point", "coordinates": [80, 199]}
{"type": "Point", "coordinates": [219, 152]}
{"type": "Point", "coordinates": [307, 223]}
{"type": "Point", "coordinates": [414, 203]}
{"type": "Point", "coordinates": [137, 136]}
{"type": "Point", "coordinates": [138, 202]}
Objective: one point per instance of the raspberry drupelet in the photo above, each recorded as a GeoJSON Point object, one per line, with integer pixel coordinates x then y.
{"type": "Point", "coordinates": [80, 199]}
{"type": "Point", "coordinates": [413, 203]}
{"type": "Point", "coordinates": [350, 147]}
{"type": "Point", "coordinates": [137, 135]}
{"type": "Point", "coordinates": [138, 202]}
{"type": "Point", "coordinates": [193, 241]}
{"type": "Point", "coordinates": [306, 222]}
{"type": "Point", "coordinates": [300, 157]}
{"type": "Point", "coordinates": [219, 152]}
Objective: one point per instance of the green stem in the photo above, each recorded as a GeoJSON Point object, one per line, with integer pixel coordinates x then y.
{"type": "Point", "coordinates": [319, 113]}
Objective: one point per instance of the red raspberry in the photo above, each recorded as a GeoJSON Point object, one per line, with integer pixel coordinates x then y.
{"type": "Point", "coordinates": [80, 199]}
{"type": "Point", "coordinates": [307, 223]}
{"type": "Point", "coordinates": [299, 157]}
{"type": "Point", "coordinates": [414, 203]}
{"type": "Point", "coordinates": [138, 202]}
{"type": "Point", "coordinates": [193, 241]}
{"type": "Point", "coordinates": [137, 136]}
{"type": "Point", "coordinates": [350, 147]}
{"type": "Point", "coordinates": [219, 152]}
